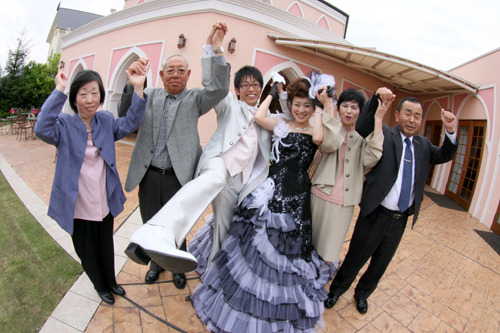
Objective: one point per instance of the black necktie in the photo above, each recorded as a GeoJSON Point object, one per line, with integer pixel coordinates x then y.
{"type": "Point", "coordinates": [404, 197]}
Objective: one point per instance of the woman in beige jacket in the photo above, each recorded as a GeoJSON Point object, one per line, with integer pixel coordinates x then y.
{"type": "Point", "coordinates": [338, 180]}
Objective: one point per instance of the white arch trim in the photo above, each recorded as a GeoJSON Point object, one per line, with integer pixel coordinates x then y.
{"type": "Point", "coordinates": [80, 63]}
{"type": "Point", "coordinates": [438, 180]}
{"type": "Point", "coordinates": [290, 68]}
{"type": "Point", "coordinates": [300, 8]}
{"type": "Point", "coordinates": [134, 51]}
{"type": "Point", "coordinates": [254, 56]}
{"type": "Point", "coordinates": [118, 76]}
{"type": "Point", "coordinates": [439, 170]}
{"type": "Point", "coordinates": [487, 187]}
{"type": "Point", "coordinates": [327, 22]}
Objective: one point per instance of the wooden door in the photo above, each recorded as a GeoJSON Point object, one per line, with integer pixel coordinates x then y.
{"type": "Point", "coordinates": [466, 163]}
{"type": "Point", "coordinates": [496, 222]}
{"type": "Point", "coordinates": [433, 130]}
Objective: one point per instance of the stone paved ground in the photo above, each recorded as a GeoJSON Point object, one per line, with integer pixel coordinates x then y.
{"type": "Point", "coordinates": [444, 277]}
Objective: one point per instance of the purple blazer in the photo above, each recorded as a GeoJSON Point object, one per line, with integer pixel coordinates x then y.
{"type": "Point", "coordinates": [69, 134]}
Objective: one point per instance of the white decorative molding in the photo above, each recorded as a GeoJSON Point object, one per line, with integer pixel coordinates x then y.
{"type": "Point", "coordinates": [251, 11]}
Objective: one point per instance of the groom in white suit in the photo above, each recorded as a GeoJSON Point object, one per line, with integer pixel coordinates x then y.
{"type": "Point", "coordinates": [234, 162]}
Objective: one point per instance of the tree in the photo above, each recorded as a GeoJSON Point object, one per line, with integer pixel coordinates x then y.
{"type": "Point", "coordinates": [26, 85]}
{"type": "Point", "coordinates": [17, 59]}
{"type": "Point", "coordinates": [38, 81]}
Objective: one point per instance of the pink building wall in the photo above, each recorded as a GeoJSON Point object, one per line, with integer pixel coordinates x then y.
{"type": "Point", "coordinates": [139, 31]}
{"type": "Point", "coordinates": [485, 70]}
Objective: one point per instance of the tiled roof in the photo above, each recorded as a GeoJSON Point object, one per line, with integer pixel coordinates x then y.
{"type": "Point", "coordinates": [73, 19]}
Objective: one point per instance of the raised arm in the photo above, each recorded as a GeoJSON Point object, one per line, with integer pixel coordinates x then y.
{"type": "Point", "coordinates": [47, 126]}
{"type": "Point", "coordinates": [327, 102]}
{"type": "Point", "coordinates": [447, 150]}
{"type": "Point", "coordinates": [373, 147]}
{"type": "Point", "coordinates": [261, 117]}
{"type": "Point", "coordinates": [383, 105]}
{"type": "Point", "coordinates": [215, 69]}
{"type": "Point", "coordinates": [449, 121]}
{"type": "Point", "coordinates": [137, 69]}
{"type": "Point", "coordinates": [332, 135]}
{"type": "Point", "coordinates": [61, 81]}
{"type": "Point", "coordinates": [137, 78]}
{"type": "Point", "coordinates": [366, 121]}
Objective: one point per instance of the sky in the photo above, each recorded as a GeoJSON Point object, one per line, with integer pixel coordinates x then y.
{"type": "Point", "coordinates": [438, 33]}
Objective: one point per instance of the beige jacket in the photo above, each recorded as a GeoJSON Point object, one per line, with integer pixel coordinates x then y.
{"type": "Point", "coordinates": [360, 155]}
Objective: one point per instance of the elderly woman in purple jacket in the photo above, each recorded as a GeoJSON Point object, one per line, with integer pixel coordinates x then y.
{"type": "Point", "coordinates": [86, 192]}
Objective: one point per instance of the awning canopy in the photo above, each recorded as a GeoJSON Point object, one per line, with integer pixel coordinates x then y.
{"type": "Point", "coordinates": [401, 73]}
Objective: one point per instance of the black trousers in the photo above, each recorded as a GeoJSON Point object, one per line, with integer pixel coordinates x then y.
{"type": "Point", "coordinates": [376, 235]}
{"type": "Point", "coordinates": [93, 242]}
{"type": "Point", "coordinates": [155, 189]}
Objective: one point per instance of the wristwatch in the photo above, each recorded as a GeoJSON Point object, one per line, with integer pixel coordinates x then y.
{"type": "Point", "coordinates": [220, 50]}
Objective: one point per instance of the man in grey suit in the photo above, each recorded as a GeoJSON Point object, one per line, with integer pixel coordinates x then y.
{"type": "Point", "coordinates": [168, 147]}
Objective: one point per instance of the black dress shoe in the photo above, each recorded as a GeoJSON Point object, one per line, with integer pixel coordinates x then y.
{"type": "Point", "coordinates": [151, 276]}
{"type": "Point", "coordinates": [331, 301]}
{"type": "Point", "coordinates": [117, 289]}
{"type": "Point", "coordinates": [106, 297]}
{"type": "Point", "coordinates": [361, 304]}
{"type": "Point", "coordinates": [137, 254]}
{"type": "Point", "coordinates": [180, 280]}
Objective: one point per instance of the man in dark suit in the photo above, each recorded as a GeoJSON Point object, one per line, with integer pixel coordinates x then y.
{"type": "Point", "coordinates": [392, 191]}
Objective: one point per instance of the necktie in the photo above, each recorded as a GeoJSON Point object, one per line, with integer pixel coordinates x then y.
{"type": "Point", "coordinates": [252, 109]}
{"type": "Point", "coordinates": [404, 197]}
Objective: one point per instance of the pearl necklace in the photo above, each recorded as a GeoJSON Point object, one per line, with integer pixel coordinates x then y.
{"type": "Point", "coordinates": [300, 129]}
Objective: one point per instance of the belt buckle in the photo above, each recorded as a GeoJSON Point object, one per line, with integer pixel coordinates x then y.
{"type": "Point", "coordinates": [163, 171]}
{"type": "Point", "coordinates": [397, 216]}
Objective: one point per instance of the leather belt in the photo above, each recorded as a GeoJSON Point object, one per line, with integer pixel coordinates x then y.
{"type": "Point", "coordinates": [161, 170]}
{"type": "Point", "coordinates": [395, 214]}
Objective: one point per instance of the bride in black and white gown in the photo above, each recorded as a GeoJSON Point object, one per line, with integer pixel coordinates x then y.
{"type": "Point", "coordinates": [267, 277]}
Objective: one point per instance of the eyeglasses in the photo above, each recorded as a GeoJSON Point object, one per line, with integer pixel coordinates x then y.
{"type": "Point", "coordinates": [180, 71]}
{"type": "Point", "coordinates": [246, 85]}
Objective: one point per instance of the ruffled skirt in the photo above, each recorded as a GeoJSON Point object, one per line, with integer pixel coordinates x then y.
{"type": "Point", "coordinates": [253, 287]}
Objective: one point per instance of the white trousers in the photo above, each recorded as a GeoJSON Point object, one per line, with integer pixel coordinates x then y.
{"type": "Point", "coordinates": [223, 207]}
{"type": "Point", "coordinates": [181, 212]}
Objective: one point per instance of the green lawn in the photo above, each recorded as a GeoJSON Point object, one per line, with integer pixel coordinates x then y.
{"type": "Point", "coordinates": [35, 273]}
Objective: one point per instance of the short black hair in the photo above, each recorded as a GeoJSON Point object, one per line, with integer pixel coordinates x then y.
{"type": "Point", "coordinates": [247, 71]}
{"type": "Point", "coordinates": [352, 95]}
{"type": "Point", "coordinates": [82, 79]}
{"type": "Point", "coordinates": [411, 100]}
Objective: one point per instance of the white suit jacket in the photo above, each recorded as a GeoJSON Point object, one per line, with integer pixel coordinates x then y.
{"type": "Point", "coordinates": [232, 122]}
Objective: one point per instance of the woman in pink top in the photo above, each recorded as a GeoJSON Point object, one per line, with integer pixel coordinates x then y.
{"type": "Point", "coordinates": [338, 180]}
{"type": "Point", "coordinates": [87, 193]}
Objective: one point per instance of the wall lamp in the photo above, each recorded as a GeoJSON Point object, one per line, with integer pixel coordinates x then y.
{"type": "Point", "coordinates": [182, 41]}
{"type": "Point", "coordinates": [232, 45]}
{"type": "Point", "coordinates": [61, 64]}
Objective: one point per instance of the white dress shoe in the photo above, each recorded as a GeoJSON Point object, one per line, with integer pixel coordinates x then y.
{"type": "Point", "coordinates": [158, 243]}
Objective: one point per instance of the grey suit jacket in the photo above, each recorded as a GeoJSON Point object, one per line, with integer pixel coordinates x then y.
{"type": "Point", "coordinates": [232, 121]}
{"type": "Point", "coordinates": [183, 142]}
